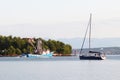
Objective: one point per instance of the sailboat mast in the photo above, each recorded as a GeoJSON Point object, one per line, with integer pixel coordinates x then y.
{"type": "Point", "coordinates": [90, 32]}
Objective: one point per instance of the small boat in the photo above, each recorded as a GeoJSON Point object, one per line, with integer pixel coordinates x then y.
{"type": "Point", "coordinates": [38, 55]}
{"type": "Point", "coordinates": [90, 55]}
{"type": "Point", "coordinates": [39, 52]}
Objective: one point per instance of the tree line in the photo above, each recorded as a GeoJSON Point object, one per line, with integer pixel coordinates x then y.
{"type": "Point", "coordinates": [14, 46]}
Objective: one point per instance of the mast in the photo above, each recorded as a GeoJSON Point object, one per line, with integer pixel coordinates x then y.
{"type": "Point", "coordinates": [90, 31]}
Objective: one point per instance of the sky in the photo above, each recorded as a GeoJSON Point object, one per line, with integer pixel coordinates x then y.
{"type": "Point", "coordinates": [59, 18]}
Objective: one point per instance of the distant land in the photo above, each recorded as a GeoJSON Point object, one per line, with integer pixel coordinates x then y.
{"type": "Point", "coordinates": [106, 50]}
{"type": "Point", "coordinates": [95, 42]}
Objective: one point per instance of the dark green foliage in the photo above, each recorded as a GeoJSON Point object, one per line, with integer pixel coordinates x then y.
{"type": "Point", "coordinates": [18, 51]}
{"type": "Point", "coordinates": [12, 46]}
{"type": "Point", "coordinates": [67, 49]}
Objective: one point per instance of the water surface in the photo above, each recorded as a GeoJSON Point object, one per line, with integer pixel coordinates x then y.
{"type": "Point", "coordinates": [59, 68]}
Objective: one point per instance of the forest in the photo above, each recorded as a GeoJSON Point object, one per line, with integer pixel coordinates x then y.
{"type": "Point", "coordinates": [14, 46]}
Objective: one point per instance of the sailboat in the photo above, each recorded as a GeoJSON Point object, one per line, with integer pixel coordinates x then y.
{"type": "Point", "coordinates": [90, 55]}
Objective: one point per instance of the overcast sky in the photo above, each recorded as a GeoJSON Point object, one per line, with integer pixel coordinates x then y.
{"type": "Point", "coordinates": [59, 18]}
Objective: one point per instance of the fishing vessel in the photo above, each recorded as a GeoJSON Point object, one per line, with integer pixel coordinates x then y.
{"type": "Point", "coordinates": [90, 55]}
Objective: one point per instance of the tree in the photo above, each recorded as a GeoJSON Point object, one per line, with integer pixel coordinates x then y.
{"type": "Point", "coordinates": [67, 49]}
{"type": "Point", "coordinates": [51, 45]}
{"type": "Point", "coordinates": [11, 51]}
{"type": "Point", "coordinates": [24, 50]}
{"type": "Point", "coordinates": [18, 51]}
{"type": "Point", "coordinates": [30, 49]}
{"type": "Point", "coordinates": [10, 46]}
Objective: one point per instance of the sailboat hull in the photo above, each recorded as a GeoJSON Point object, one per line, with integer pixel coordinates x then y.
{"type": "Point", "coordinates": [91, 58]}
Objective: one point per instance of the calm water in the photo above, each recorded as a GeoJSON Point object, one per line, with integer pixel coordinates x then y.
{"type": "Point", "coordinates": [59, 68]}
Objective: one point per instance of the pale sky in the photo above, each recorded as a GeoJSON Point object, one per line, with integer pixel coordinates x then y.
{"type": "Point", "coordinates": [59, 18]}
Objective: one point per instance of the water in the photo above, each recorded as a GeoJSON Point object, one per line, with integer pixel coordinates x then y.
{"type": "Point", "coordinates": [59, 68]}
